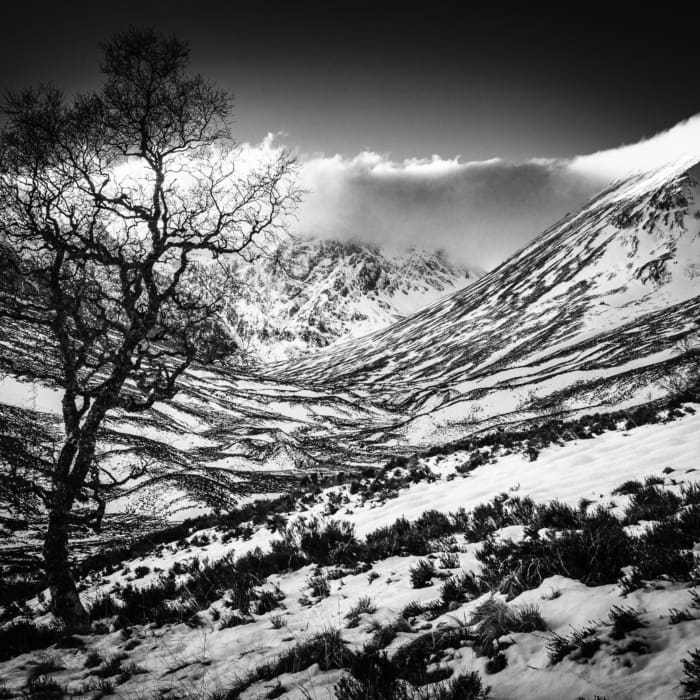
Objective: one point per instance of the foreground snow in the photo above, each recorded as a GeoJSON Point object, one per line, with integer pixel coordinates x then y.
{"type": "Point", "coordinates": [180, 661]}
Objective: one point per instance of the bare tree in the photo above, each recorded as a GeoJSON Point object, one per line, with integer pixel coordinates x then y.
{"type": "Point", "coordinates": [108, 202]}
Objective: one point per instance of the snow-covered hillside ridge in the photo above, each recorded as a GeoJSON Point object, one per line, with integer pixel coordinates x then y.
{"type": "Point", "coordinates": [309, 294]}
{"type": "Point", "coordinates": [603, 294]}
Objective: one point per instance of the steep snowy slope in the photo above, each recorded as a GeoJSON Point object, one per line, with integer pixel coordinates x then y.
{"type": "Point", "coordinates": [309, 294]}
{"type": "Point", "coordinates": [604, 293]}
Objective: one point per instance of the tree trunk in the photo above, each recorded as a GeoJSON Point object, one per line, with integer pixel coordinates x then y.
{"type": "Point", "coordinates": [65, 601]}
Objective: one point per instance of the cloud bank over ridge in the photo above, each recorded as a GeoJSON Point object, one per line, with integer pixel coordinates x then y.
{"type": "Point", "coordinates": [478, 212]}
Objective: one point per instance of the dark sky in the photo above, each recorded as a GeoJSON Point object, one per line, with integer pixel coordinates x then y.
{"type": "Point", "coordinates": [395, 78]}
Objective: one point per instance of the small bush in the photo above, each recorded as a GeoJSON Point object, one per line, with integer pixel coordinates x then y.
{"type": "Point", "coordinates": [631, 581]}
{"type": "Point", "coordinates": [688, 523]}
{"type": "Point", "coordinates": [594, 555]}
{"type": "Point", "coordinates": [555, 515]}
{"type": "Point", "coordinates": [691, 678]}
{"type": "Point", "coordinates": [412, 660]}
{"type": "Point", "coordinates": [334, 543]}
{"type": "Point", "coordinates": [466, 687]}
{"type": "Point", "coordinates": [579, 646]}
{"type": "Point", "coordinates": [493, 619]}
{"type": "Point", "coordinates": [103, 606]}
{"type": "Point", "coordinates": [110, 667]}
{"type": "Point", "coordinates": [267, 601]}
{"type": "Point", "coordinates": [326, 649]}
{"type": "Point", "coordinates": [624, 620]}
{"type": "Point", "coordinates": [92, 660]}
{"type": "Point", "coordinates": [148, 603]}
{"type": "Point", "coordinates": [45, 688]}
{"type": "Point", "coordinates": [658, 553]}
{"type": "Point", "coordinates": [690, 494]}
{"type": "Point", "coordinates": [486, 518]}
{"type": "Point", "coordinates": [384, 634]}
{"type": "Point", "coordinates": [460, 588]}
{"type": "Point", "coordinates": [422, 574]}
{"type": "Point", "coordinates": [675, 616]}
{"type": "Point", "coordinates": [433, 524]}
{"type": "Point", "coordinates": [319, 586]}
{"type": "Point", "coordinates": [364, 606]}
{"type": "Point", "coordinates": [398, 539]}
{"type": "Point", "coordinates": [236, 619]}
{"type": "Point", "coordinates": [373, 677]}
{"type": "Point", "coordinates": [449, 560]}
{"type": "Point", "coordinates": [651, 503]}
{"type": "Point", "coordinates": [628, 488]}
{"type": "Point", "coordinates": [278, 621]}
{"type": "Point", "coordinates": [43, 668]}
{"type": "Point", "coordinates": [22, 636]}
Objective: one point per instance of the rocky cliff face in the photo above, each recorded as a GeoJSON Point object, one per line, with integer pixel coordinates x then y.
{"type": "Point", "coordinates": [308, 295]}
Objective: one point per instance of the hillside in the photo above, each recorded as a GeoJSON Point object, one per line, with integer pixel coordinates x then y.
{"type": "Point", "coordinates": [429, 580]}
{"type": "Point", "coordinates": [586, 315]}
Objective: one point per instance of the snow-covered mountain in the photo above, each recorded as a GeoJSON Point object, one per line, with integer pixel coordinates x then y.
{"type": "Point", "coordinates": [309, 294]}
{"type": "Point", "coordinates": [584, 319]}
{"type": "Point", "coordinates": [587, 313]}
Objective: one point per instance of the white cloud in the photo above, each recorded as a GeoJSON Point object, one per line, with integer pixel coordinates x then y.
{"type": "Point", "coordinates": [479, 212]}
{"type": "Point", "coordinates": [681, 142]}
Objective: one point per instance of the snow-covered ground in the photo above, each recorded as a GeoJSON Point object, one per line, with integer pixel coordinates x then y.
{"type": "Point", "coordinates": [182, 661]}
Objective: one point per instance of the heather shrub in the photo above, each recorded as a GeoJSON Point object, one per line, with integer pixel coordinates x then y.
{"type": "Point", "coordinates": [486, 518]}
{"type": "Point", "coordinates": [422, 574]}
{"type": "Point", "coordinates": [45, 688]}
{"type": "Point", "coordinates": [466, 687]}
{"type": "Point", "coordinates": [651, 503]}
{"type": "Point", "coordinates": [364, 606]}
{"type": "Point", "coordinates": [691, 676]}
{"type": "Point", "coordinates": [148, 603]}
{"type": "Point", "coordinates": [658, 553]}
{"type": "Point", "coordinates": [594, 555]}
{"type": "Point", "coordinates": [493, 619]}
{"type": "Point", "coordinates": [22, 636]}
{"type": "Point", "coordinates": [334, 543]}
{"type": "Point", "coordinates": [319, 586]}
{"type": "Point", "coordinates": [326, 649]}
{"type": "Point", "coordinates": [555, 515]}
{"type": "Point", "coordinates": [372, 677]}
{"type": "Point", "coordinates": [433, 524]}
{"type": "Point", "coordinates": [460, 588]}
{"type": "Point", "coordinates": [449, 560]}
{"type": "Point", "coordinates": [267, 601]}
{"type": "Point", "coordinates": [384, 634]}
{"type": "Point", "coordinates": [398, 539]}
{"type": "Point", "coordinates": [103, 606]}
{"type": "Point", "coordinates": [624, 620]}
{"type": "Point", "coordinates": [580, 645]}
{"type": "Point", "coordinates": [628, 488]}
{"type": "Point", "coordinates": [691, 493]}
{"type": "Point", "coordinates": [413, 659]}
